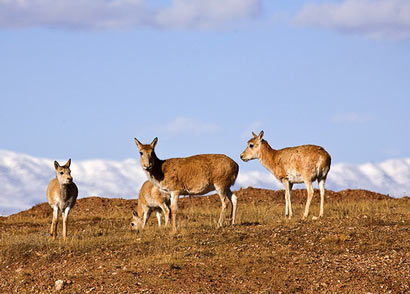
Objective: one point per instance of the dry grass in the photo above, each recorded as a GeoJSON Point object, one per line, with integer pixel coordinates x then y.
{"type": "Point", "coordinates": [358, 247]}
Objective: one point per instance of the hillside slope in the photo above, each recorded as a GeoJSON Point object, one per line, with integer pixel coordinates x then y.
{"type": "Point", "coordinates": [360, 246]}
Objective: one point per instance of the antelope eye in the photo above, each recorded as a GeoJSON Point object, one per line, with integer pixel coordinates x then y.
{"type": "Point", "coordinates": [141, 153]}
{"type": "Point", "coordinates": [132, 224]}
{"type": "Point", "coordinates": [61, 173]}
{"type": "Point", "coordinates": [250, 145]}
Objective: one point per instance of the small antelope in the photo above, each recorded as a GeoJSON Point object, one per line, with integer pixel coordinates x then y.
{"type": "Point", "coordinates": [194, 175]}
{"type": "Point", "coordinates": [61, 194]}
{"type": "Point", "coordinates": [300, 164]}
{"type": "Point", "coordinates": [149, 199]}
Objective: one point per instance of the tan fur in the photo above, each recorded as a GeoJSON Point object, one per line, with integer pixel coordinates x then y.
{"type": "Point", "coordinates": [61, 195]}
{"type": "Point", "coordinates": [150, 199]}
{"type": "Point", "coordinates": [301, 164]}
{"type": "Point", "coordinates": [194, 175]}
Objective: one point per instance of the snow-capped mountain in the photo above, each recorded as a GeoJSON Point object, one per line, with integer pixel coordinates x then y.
{"type": "Point", "coordinates": [24, 179]}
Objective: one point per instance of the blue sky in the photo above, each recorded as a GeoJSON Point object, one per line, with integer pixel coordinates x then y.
{"type": "Point", "coordinates": [81, 79]}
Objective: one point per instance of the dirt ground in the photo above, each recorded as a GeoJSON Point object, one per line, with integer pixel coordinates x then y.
{"type": "Point", "coordinates": [361, 245]}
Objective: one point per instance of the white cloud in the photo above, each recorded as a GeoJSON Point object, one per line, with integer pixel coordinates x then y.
{"type": "Point", "coordinates": [350, 117]}
{"type": "Point", "coordinates": [186, 125]}
{"type": "Point", "coordinates": [257, 179]}
{"type": "Point", "coordinates": [373, 18]}
{"type": "Point", "coordinates": [76, 14]}
{"type": "Point", "coordinates": [206, 14]}
{"type": "Point", "coordinates": [113, 14]}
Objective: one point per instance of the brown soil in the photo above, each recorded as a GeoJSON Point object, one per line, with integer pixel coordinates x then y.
{"type": "Point", "coordinates": [360, 246]}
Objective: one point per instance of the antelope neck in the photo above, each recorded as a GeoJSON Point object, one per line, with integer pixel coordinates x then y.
{"type": "Point", "coordinates": [267, 154]}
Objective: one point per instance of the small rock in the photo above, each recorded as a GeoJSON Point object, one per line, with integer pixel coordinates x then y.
{"type": "Point", "coordinates": [59, 285]}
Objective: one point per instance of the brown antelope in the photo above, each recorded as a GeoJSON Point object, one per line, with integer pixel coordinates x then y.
{"type": "Point", "coordinates": [149, 199]}
{"type": "Point", "coordinates": [61, 194]}
{"type": "Point", "coordinates": [300, 164]}
{"type": "Point", "coordinates": [194, 175]}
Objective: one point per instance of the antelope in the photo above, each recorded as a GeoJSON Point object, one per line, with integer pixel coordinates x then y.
{"type": "Point", "coordinates": [149, 199]}
{"type": "Point", "coordinates": [194, 175]}
{"type": "Point", "coordinates": [61, 195]}
{"type": "Point", "coordinates": [300, 164]}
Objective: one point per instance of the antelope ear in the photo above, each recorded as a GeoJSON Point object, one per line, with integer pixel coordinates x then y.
{"type": "Point", "coordinates": [260, 136]}
{"type": "Point", "coordinates": [134, 213]}
{"type": "Point", "coordinates": [154, 142]}
{"type": "Point", "coordinates": [56, 164]}
{"type": "Point", "coordinates": [138, 143]}
{"type": "Point", "coordinates": [254, 135]}
{"type": "Point", "coordinates": [68, 163]}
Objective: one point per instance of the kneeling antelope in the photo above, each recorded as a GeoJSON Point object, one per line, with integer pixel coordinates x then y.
{"type": "Point", "coordinates": [149, 199]}
{"type": "Point", "coordinates": [61, 195]}
{"type": "Point", "coordinates": [300, 164]}
{"type": "Point", "coordinates": [194, 175]}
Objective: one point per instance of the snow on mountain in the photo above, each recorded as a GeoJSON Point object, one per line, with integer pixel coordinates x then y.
{"type": "Point", "coordinates": [390, 177]}
{"type": "Point", "coordinates": [24, 178]}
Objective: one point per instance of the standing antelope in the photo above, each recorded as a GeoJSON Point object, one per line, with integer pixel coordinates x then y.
{"type": "Point", "coordinates": [61, 194]}
{"type": "Point", "coordinates": [300, 164]}
{"type": "Point", "coordinates": [194, 175]}
{"type": "Point", "coordinates": [149, 199]}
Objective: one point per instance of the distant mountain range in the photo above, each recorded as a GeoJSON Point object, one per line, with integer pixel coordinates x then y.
{"type": "Point", "coordinates": [24, 178]}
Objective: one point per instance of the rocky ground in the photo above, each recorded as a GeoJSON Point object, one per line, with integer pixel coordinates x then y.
{"type": "Point", "coordinates": [362, 245]}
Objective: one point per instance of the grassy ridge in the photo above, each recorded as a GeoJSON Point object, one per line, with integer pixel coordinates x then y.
{"type": "Point", "coordinates": [360, 246]}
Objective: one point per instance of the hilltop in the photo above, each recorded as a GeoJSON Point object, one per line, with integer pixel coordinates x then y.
{"type": "Point", "coordinates": [358, 247]}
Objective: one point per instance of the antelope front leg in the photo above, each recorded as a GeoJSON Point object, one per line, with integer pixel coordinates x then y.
{"type": "Point", "coordinates": [65, 220]}
{"type": "Point", "coordinates": [166, 211]}
{"type": "Point", "coordinates": [223, 197]}
{"type": "Point", "coordinates": [146, 215]}
{"type": "Point", "coordinates": [174, 208]}
{"type": "Point", "coordinates": [53, 229]}
{"type": "Point", "coordinates": [234, 201]}
{"type": "Point", "coordinates": [159, 218]}
{"type": "Point", "coordinates": [288, 200]}
{"type": "Point", "coordinates": [309, 198]}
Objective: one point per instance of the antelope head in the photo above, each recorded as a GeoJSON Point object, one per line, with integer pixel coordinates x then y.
{"type": "Point", "coordinates": [136, 221]}
{"type": "Point", "coordinates": [63, 173]}
{"type": "Point", "coordinates": [252, 150]}
{"type": "Point", "coordinates": [147, 154]}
